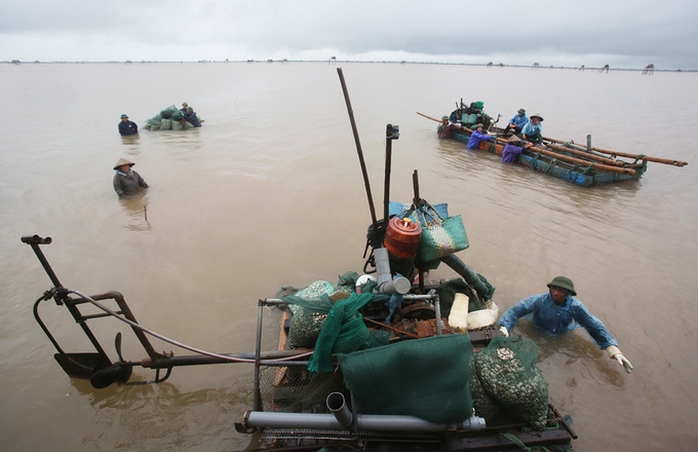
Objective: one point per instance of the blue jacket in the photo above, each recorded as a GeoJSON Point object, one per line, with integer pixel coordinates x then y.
{"type": "Point", "coordinates": [530, 129]}
{"type": "Point", "coordinates": [557, 320]}
{"type": "Point", "coordinates": [519, 121]}
{"type": "Point", "coordinates": [475, 139]}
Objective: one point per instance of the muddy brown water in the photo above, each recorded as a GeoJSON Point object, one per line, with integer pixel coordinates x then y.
{"type": "Point", "coordinates": [269, 193]}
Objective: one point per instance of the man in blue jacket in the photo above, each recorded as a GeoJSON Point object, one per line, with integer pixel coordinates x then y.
{"type": "Point", "coordinates": [533, 130]}
{"type": "Point", "coordinates": [557, 311]}
{"type": "Point", "coordinates": [478, 136]}
{"type": "Point", "coordinates": [516, 123]}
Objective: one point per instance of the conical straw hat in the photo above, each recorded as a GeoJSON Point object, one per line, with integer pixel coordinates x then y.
{"type": "Point", "coordinates": [122, 162]}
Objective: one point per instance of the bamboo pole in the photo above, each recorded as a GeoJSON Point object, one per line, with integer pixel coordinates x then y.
{"type": "Point", "coordinates": [588, 156]}
{"type": "Point", "coordinates": [627, 154]}
{"type": "Point", "coordinates": [614, 169]}
{"type": "Point", "coordinates": [562, 157]}
{"type": "Point", "coordinates": [565, 158]}
{"type": "Point", "coordinates": [359, 151]}
{"type": "Point", "coordinates": [605, 151]}
{"type": "Point", "coordinates": [428, 117]}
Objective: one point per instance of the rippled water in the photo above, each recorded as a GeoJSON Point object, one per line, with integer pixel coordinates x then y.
{"type": "Point", "coordinates": [269, 193]}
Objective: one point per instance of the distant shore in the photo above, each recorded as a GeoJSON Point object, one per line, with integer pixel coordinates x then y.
{"type": "Point", "coordinates": [534, 66]}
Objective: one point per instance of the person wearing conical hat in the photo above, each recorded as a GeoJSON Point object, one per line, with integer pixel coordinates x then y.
{"type": "Point", "coordinates": [511, 151]}
{"type": "Point", "coordinates": [127, 127]}
{"type": "Point", "coordinates": [533, 130]}
{"type": "Point", "coordinates": [516, 123]}
{"type": "Point", "coordinates": [127, 182]}
{"type": "Point", "coordinates": [557, 311]}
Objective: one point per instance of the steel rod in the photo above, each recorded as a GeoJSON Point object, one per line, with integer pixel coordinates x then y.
{"type": "Point", "coordinates": [364, 171]}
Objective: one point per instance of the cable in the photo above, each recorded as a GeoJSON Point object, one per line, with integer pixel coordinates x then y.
{"type": "Point", "coordinates": [172, 341]}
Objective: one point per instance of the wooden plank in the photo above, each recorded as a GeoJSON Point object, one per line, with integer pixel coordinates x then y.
{"type": "Point", "coordinates": [499, 442]}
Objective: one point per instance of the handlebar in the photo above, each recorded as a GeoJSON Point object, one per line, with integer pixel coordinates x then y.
{"type": "Point", "coordinates": [36, 240]}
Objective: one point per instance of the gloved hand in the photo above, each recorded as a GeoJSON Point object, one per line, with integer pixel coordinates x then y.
{"type": "Point", "coordinates": [504, 330]}
{"type": "Point", "coordinates": [616, 354]}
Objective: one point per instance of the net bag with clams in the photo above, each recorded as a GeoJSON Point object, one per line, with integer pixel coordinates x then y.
{"type": "Point", "coordinates": [508, 373]}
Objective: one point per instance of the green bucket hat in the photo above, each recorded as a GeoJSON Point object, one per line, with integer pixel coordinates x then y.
{"type": "Point", "coordinates": [522, 111]}
{"type": "Point", "coordinates": [563, 282]}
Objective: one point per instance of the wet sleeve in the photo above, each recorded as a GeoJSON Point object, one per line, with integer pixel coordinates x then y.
{"type": "Point", "coordinates": [142, 182]}
{"type": "Point", "coordinates": [514, 313]}
{"type": "Point", "coordinates": [595, 327]}
{"type": "Point", "coordinates": [117, 187]}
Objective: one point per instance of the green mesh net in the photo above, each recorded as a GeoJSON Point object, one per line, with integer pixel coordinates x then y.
{"type": "Point", "coordinates": [310, 307]}
{"type": "Point", "coordinates": [426, 378]}
{"type": "Point", "coordinates": [344, 331]}
{"type": "Point", "coordinates": [510, 378]}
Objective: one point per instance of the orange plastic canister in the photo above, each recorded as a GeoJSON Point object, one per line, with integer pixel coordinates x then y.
{"type": "Point", "coordinates": [402, 237]}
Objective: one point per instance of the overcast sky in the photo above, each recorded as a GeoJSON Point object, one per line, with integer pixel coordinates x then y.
{"type": "Point", "coordinates": [620, 33]}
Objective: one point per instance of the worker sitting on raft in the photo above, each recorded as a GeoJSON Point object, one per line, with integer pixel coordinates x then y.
{"type": "Point", "coordinates": [557, 311]}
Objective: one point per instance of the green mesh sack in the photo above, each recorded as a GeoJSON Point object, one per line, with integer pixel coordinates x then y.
{"type": "Point", "coordinates": [153, 123]}
{"type": "Point", "coordinates": [167, 112]}
{"type": "Point", "coordinates": [344, 331]}
{"type": "Point", "coordinates": [305, 326]}
{"type": "Point", "coordinates": [426, 378]}
{"type": "Point", "coordinates": [483, 404]}
{"type": "Point", "coordinates": [181, 125]}
{"type": "Point", "coordinates": [508, 372]}
{"type": "Point", "coordinates": [309, 307]}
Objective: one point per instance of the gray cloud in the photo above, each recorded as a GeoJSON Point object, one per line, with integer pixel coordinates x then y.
{"type": "Point", "coordinates": [593, 32]}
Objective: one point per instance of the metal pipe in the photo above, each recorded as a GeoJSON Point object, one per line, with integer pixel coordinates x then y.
{"type": "Point", "coordinates": [388, 167]}
{"type": "Point", "coordinates": [365, 422]}
{"type": "Point", "coordinates": [338, 407]}
{"type": "Point", "coordinates": [34, 241]}
{"type": "Point", "coordinates": [400, 285]}
{"type": "Point", "coordinates": [437, 313]}
{"type": "Point", "coordinates": [364, 171]}
{"type": "Point", "coordinates": [257, 357]}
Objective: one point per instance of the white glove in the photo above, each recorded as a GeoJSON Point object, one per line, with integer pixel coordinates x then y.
{"type": "Point", "coordinates": [616, 354]}
{"type": "Point", "coordinates": [504, 330]}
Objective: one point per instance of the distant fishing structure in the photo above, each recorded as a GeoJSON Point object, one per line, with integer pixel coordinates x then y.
{"type": "Point", "coordinates": [581, 68]}
{"type": "Point", "coordinates": [535, 66]}
{"type": "Point", "coordinates": [605, 68]}
{"type": "Point", "coordinates": [649, 70]}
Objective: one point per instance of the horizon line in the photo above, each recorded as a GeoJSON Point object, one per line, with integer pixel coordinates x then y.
{"type": "Point", "coordinates": [335, 61]}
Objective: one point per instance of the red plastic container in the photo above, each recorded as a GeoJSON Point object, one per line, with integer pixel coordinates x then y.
{"type": "Point", "coordinates": [402, 237]}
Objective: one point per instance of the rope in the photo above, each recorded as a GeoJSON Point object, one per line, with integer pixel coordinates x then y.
{"type": "Point", "coordinates": [551, 166]}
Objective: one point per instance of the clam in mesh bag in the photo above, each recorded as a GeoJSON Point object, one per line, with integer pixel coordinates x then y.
{"type": "Point", "coordinates": [508, 373]}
